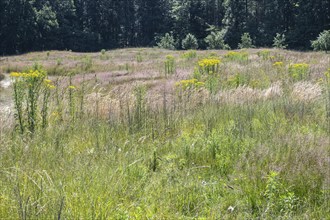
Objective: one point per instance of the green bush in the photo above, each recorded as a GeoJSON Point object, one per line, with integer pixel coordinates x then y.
{"type": "Point", "coordinates": [279, 41]}
{"type": "Point", "coordinates": [167, 42]}
{"type": "Point", "coordinates": [189, 42]}
{"type": "Point", "coordinates": [322, 42]}
{"type": "Point", "coordinates": [246, 41]}
{"type": "Point", "coordinates": [215, 40]}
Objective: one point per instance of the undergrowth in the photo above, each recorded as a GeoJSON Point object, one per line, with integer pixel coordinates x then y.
{"type": "Point", "coordinates": [185, 159]}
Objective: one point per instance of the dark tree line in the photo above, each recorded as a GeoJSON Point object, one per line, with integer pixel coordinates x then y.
{"type": "Point", "coordinates": [92, 25]}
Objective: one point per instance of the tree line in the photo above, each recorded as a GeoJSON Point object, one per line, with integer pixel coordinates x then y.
{"type": "Point", "coordinates": [92, 25]}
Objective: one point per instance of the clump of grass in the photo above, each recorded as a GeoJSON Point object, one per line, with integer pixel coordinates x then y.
{"type": "Point", "coordinates": [190, 54]}
{"type": "Point", "coordinates": [237, 80]}
{"type": "Point", "coordinates": [87, 63]}
{"type": "Point", "coordinates": [236, 56]}
{"type": "Point", "coordinates": [264, 54]}
{"type": "Point", "coordinates": [104, 56]}
{"type": "Point", "coordinates": [169, 65]}
{"type": "Point", "coordinates": [139, 57]}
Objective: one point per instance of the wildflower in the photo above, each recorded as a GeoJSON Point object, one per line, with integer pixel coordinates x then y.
{"type": "Point", "coordinates": [15, 74]}
{"type": "Point", "coordinates": [189, 84]}
{"type": "Point", "coordinates": [72, 87]}
{"type": "Point", "coordinates": [209, 62]}
{"type": "Point", "coordinates": [278, 64]}
{"type": "Point", "coordinates": [298, 70]}
{"type": "Point", "coordinates": [47, 81]}
{"type": "Point", "coordinates": [209, 65]}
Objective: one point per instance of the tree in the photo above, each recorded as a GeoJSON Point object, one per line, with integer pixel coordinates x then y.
{"type": "Point", "coordinates": [279, 41]}
{"type": "Point", "coordinates": [322, 42]}
{"type": "Point", "coordinates": [246, 41]}
{"type": "Point", "coordinates": [189, 42]}
{"type": "Point", "coordinates": [215, 40]}
{"type": "Point", "coordinates": [167, 42]}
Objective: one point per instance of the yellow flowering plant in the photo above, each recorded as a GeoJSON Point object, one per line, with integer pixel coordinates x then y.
{"type": "Point", "coordinates": [279, 66]}
{"type": "Point", "coordinates": [30, 89]}
{"type": "Point", "coordinates": [189, 84]}
{"type": "Point", "coordinates": [299, 71]}
{"type": "Point", "coordinates": [209, 66]}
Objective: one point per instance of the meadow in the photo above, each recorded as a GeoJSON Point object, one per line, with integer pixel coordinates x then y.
{"type": "Point", "coordinates": [148, 133]}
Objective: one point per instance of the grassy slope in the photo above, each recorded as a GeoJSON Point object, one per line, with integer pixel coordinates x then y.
{"type": "Point", "coordinates": [259, 145]}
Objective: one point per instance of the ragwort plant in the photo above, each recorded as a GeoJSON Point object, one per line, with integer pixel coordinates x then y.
{"type": "Point", "coordinates": [299, 71]}
{"type": "Point", "coordinates": [31, 98]}
{"type": "Point", "coordinates": [209, 66]}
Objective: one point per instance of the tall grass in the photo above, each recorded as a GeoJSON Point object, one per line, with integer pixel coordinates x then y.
{"type": "Point", "coordinates": [231, 155]}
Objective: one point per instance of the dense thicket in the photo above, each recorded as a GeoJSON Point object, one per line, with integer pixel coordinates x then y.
{"type": "Point", "coordinates": [90, 25]}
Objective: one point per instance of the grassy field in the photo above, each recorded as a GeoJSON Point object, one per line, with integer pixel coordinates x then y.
{"type": "Point", "coordinates": [156, 134]}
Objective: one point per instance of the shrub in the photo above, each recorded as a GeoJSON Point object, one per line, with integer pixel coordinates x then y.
{"type": "Point", "coordinates": [189, 42]}
{"type": "Point", "coordinates": [215, 40]}
{"type": "Point", "coordinates": [167, 42]}
{"type": "Point", "coordinates": [322, 42]}
{"type": "Point", "coordinates": [246, 41]}
{"type": "Point", "coordinates": [279, 41]}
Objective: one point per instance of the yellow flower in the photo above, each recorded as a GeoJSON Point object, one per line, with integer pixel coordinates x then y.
{"type": "Point", "coordinates": [278, 64]}
{"type": "Point", "coordinates": [209, 62]}
{"type": "Point", "coordinates": [47, 81]}
{"type": "Point", "coordinates": [189, 84]}
{"type": "Point", "coordinates": [15, 74]}
{"type": "Point", "coordinates": [72, 87]}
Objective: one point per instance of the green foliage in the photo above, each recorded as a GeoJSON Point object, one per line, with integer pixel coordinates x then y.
{"type": "Point", "coordinates": [189, 42]}
{"type": "Point", "coordinates": [322, 42]}
{"type": "Point", "coordinates": [87, 63]}
{"type": "Point", "coordinates": [279, 199]}
{"type": "Point", "coordinates": [215, 40]}
{"type": "Point", "coordinates": [264, 54]}
{"type": "Point", "coordinates": [209, 152]}
{"type": "Point", "coordinates": [279, 41]}
{"type": "Point", "coordinates": [246, 41]}
{"type": "Point", "coordinates": [104, 56]}
{"type": "Point", "coordinates": [139, 58]}
{"type": "Point", "coordinates": [190, 54]}
{"type": "Point", "coordinates": [241, 56]}
{"type": "Point", "coordinates": [167, 42]}
{"type": "Point", "coordinates": [238, 80]}
{"type": "Point", "coordinates": [169, 65]}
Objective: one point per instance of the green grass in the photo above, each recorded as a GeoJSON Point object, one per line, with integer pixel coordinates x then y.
{"type": "Point", "coordinates": [193, 155]}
